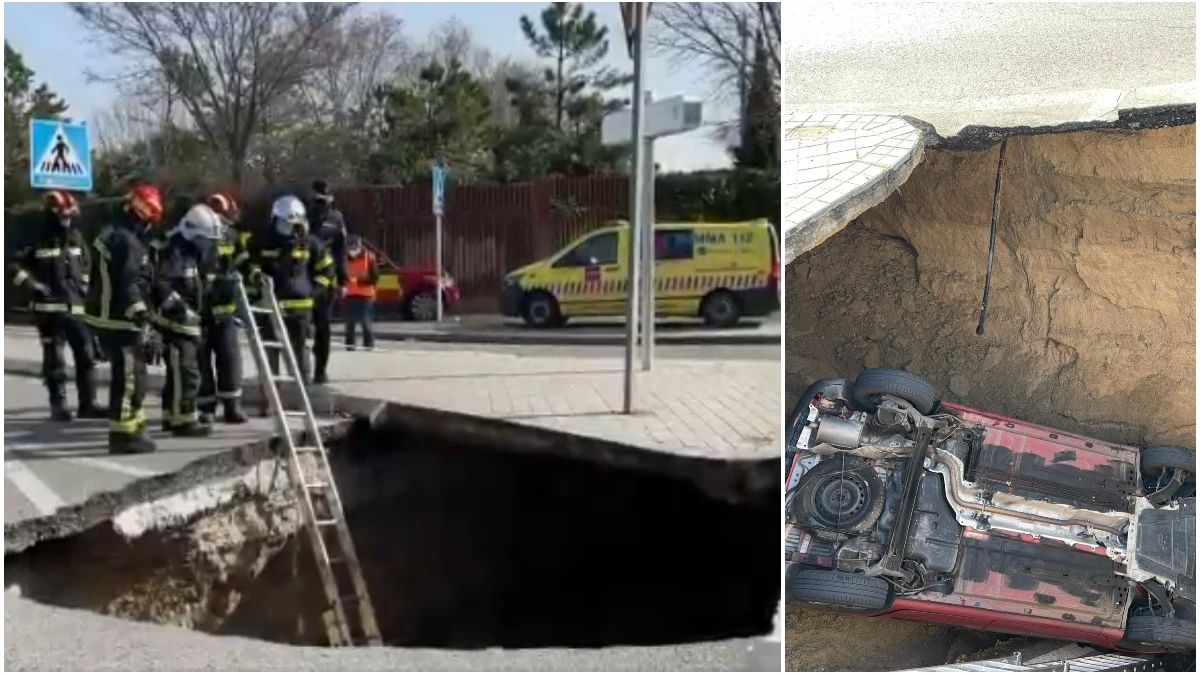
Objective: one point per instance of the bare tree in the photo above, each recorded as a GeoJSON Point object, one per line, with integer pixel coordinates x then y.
{"type": "Point", "coordinates": [718, 35]}
{"type": "Point", "coordinates": [227, 62]}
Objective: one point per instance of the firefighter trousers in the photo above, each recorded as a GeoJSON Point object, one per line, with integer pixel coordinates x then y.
{"type": "Point", "coordinates": [322, 330]}
{"type": "Point", "coordinates": [220, 360]}
{"type": "Point", "coordinates": [297, 324]}
{"type": "Point", "coordinates": [182, 385]}
{"type": "Point", "coordinates": [126, 358]}
{"type": "Point", "coordinates": [55, 328]}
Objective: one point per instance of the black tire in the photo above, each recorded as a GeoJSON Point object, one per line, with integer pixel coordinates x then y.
{"type": "Point", "coordinates": [541, 310]}
{"type": "Point", "coordinates": [836, 504]}
{"type": "Point", "coordinates": [840, 591]}
{"type": "Point", "coordinates": [422, 306]}
{"type": "Point", "coordinates": [1159, 631]}
{"type": "Point", "coordinates": [1156, 458]}
{"type": "Point", "coordinates": [720, 309]}
{"type": "Point", "coordinates": [873, 383]}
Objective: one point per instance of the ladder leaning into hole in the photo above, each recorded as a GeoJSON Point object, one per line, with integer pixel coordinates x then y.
{"type": "Point", "coordinates": [317, 495]}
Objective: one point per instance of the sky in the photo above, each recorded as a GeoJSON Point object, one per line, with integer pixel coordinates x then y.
{"type": "Point", "coordinates": [57, 48]}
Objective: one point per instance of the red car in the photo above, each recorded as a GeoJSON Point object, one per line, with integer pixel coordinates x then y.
{"type": "Point", "coordinates": [1002, 525]}
{"type": "Point", "coordinates": [410, 292]}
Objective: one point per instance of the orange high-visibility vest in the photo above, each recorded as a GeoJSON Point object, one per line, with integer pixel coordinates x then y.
{"type": "Point", "coordinates": [357, 270]}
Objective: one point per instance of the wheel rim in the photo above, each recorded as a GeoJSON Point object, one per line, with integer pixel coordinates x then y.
{"type": "Point", "coordinates": [424, 307]}
{"type": "Point", "coordinates": [722, 309]}
{"type": "Point", "coordinates": [840, 499]}
{"type": "Point", "coordinates": [539, 311]}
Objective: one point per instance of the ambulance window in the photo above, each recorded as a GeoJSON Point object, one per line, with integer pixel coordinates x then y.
{"type": "Point", "coordinates": [598, 250]}
{"type": "Point", "coordinates": [673, 245]}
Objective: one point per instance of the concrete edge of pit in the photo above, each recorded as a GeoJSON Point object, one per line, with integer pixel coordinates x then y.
{"type": "Point", "coordinates": [731, 480]}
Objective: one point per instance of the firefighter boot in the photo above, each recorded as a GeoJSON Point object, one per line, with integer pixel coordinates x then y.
{"type": "Point", "coordinates": [58, 403]}
{"type": "Point", "coordinates": [88, 408]}
{"type": "Point", "coordinates": [192, 429]}
{"type": "Point", "coordinates": [129, 444]}
{"type": "Point", "coordinates": [233, 411]}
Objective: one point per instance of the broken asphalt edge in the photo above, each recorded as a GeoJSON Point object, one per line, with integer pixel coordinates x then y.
{"type": "Point", "coordinates": [725, 479]}
{"type": "Point", "coordinates": [822, 225]}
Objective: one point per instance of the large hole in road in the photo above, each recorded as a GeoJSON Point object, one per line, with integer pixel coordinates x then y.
{"type": "Point", "coordinates": [462, 545]}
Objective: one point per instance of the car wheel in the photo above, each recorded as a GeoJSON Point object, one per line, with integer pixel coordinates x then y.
{"type": "Point", "coordinates": [843, 591]}
{"type": "Point", "coordinates": [1159, 466]}
{"type": "Point", "coordinates": [720, 309]}
{"type": "Point", "coordinates": [423, 306]}
{"type": "Point", "coordinates": [1161, 631]}
{"type": "Point", "coordinates": [541, 311]}
{"type": "Point", "coordinates": [873, 384]}
{"type": "Point", "coordinates": [839, 498]}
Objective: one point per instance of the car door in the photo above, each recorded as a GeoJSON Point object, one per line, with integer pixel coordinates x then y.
{"type": "Point", "coordinates": [677, 291]}
{"type": "Point", "coordinates": [588, 277]}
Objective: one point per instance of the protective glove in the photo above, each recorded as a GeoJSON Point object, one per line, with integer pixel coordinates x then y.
{"type": "Point", "coordinates": [152, 348]}
{"type": "Point", "coordinates": [39, 289]}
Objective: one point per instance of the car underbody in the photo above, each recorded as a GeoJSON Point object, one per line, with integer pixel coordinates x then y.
{"type": "Point", "coordinates": [1000, 524]}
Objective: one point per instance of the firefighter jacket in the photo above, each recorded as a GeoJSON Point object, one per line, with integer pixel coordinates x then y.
{"type": "Point", "coordinates": [363, 275]}
{"type": "Point", "coordinates": [179, 287]}
{"type": "Point", "coordinates": [222, 265]}
{"type": "Point", "coordinates": [58, 261]}
{"type": "Point", "coordinates": [298, 267]}
{"type": "Point", "coordinates": [121, 278]}
{"type": "Point", "coordinates": [328, 225]}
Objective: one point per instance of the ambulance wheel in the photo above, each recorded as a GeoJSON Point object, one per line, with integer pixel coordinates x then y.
{"type": "Point", "coordinates": [720, 309]}
{"type": "Point", "coordinates": [541, 311]}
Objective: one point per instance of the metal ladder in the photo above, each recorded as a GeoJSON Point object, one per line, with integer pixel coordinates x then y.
{"type": "Point", "coordinates": [1092, 662]}
{"type": "Point", "coordinates": [316, 491]}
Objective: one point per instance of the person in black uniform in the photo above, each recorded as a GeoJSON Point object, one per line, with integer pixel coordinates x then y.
{"type": "Point", "coordinates": [55, 270]}
{"type": "Point", "coordinates": [297, 265]}
{"type": "Point", "coordinates": [180, 293]}
{"type": "Point", "coordinates": [219, 322]}
{"type": "Point", "coordinates": [116, 308]}
{"type": "Point", "coordinates": [328, 225]}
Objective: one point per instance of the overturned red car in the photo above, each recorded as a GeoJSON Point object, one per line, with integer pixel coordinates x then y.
{"type": "Point", "coordinates": [901, 505]}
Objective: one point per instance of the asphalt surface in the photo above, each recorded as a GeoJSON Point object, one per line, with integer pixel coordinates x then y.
{"type": "Point", "coordinates": [50, 464]}
{"type": "Point", "coordinates": [994, 64]}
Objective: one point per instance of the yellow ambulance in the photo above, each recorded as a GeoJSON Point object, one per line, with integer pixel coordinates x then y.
{"type": "Point", "coordinates": [718, 272]}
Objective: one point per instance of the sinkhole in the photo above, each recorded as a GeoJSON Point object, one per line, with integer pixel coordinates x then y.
{"type": "Point", "coordinates": [464, 543]}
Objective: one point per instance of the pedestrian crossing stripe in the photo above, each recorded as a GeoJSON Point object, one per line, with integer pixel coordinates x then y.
{"type": "Point", "coordinates": [692, 284]}
{"type": "Point", "coordinates": [60, 157]}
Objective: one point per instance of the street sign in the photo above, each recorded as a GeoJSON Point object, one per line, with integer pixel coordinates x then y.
{"type": "Point", "coordinates": [675, 115]}
{"type": "Point", "coordinates": [439, 188]}
{"type": "Point", "coordinates": [60, 155]}
{"type": "Point", "coordinates": [627, 19]}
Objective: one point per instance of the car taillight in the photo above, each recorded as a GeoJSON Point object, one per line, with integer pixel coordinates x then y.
{"type": "Point", "coordinates": [775, 275]}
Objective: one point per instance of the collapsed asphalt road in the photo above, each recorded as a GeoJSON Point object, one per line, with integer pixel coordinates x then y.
{"type": "Point", "coordinates": [496, 533]}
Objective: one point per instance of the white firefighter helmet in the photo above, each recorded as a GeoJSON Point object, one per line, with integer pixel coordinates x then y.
{"type": "Point", "coordinates": [288, 214]}
{"type": "Point", "coordinates": [200, 223]}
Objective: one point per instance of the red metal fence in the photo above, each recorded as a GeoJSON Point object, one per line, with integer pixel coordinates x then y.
{"type": "Point", "coordinates": [488, 229]}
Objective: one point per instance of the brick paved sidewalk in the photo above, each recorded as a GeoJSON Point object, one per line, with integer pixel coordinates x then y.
{"type": "Point", "coordinates": [728, 409]}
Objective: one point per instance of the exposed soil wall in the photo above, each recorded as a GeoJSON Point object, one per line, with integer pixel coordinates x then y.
{"type": "Point", "coordinates": [462, 546]}
{"type": "Point", "coordinates": [1091, 321]}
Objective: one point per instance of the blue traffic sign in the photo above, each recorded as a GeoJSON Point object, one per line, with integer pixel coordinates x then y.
{"type": "Point", "coordinates": [439, 188]}
{"type": "Point", "coordinates": [60, 155]}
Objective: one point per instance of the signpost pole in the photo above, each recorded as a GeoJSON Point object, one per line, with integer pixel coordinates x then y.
{"type": "Point", "coordinates": [635, 188]}
{"type": "Point", "coordinates": [649, 294]}
{"type": "Point", "coordinates": [439, 204]}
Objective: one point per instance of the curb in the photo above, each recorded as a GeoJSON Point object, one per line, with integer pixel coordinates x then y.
{"type": "Point", "coordinates": [550, 339]}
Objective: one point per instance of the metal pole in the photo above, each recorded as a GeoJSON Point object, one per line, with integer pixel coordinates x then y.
{"type": "Point", "coordinates": [649, 292]}
{"type": "Point", "coordinates": [631, 304]}
{"type": "Point", "coordinates": [438, 271]}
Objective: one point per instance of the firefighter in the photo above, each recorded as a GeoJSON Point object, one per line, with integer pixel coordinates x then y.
{"type": "Point", "coordinates": [362, 274]}
{"type": "Point", "coordinates": [219, 323]}
{"type": "Point", "coordinates": [55, 270]}
{"type": "Point", "coordinates": [297, 265]}
{"type": "Point", "coordinates": [116, 308]}
{"type": "Point", "coordinates": [329, 226]}
{"type": "Point", "coordinates": [181, 291]}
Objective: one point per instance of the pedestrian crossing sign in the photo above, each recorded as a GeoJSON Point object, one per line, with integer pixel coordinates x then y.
{"type": "Point", "coordinates": [60, 155]}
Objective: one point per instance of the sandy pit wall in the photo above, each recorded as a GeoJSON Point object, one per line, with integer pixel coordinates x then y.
{"type": "Point", "coordinates": [1091, 323]}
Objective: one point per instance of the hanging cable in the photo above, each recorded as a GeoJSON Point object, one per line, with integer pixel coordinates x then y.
{"type": "Point", "coordinates": [987, 283]}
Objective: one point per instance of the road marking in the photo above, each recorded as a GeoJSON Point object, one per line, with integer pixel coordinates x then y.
{"type": "Point", "coordinates": [108, 465]}
{"type": "Point", "coordinates": [37, 492]}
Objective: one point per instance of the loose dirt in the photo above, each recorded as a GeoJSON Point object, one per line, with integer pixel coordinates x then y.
{"type": "Point", "coordinates": [1090, 328]}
